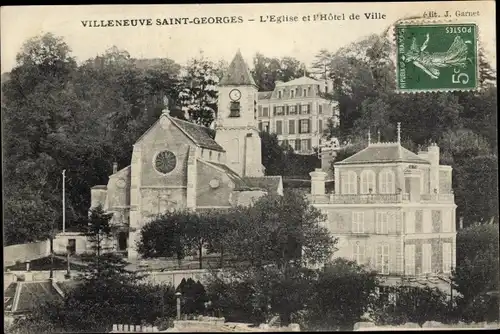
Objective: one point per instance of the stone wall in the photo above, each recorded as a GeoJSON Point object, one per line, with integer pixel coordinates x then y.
{"type": "Point", "coordinates": [429, 325]}
{"type": "Point", "coordinates": [25, 252]}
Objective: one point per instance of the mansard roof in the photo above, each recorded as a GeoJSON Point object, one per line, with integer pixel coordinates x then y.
{"type": "Point", "coordinates": [197, 133]}
{"type": "Point", "coordinates": [238, 73]}
{"type": "Point", "coordinates": [305, 80]}
{"type": "Point", "coordinates": [383, 153]}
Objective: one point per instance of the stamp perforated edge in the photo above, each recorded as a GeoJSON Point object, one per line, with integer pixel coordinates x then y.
{"type": "Point", "coordinates": [390, 34]}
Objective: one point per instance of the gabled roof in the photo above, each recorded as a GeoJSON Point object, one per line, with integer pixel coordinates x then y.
{"type": "Point", "coordinates": [28, 295]}
{"type": "Point", "coordinates": [264, 95]}
{"type": "Point", "coordinates": [299, 81]}
{"type": "Point", "coordinates": [237, 73]}
{"type": "Point", "coordinates": [124, 170]}
{"type": "Point", "coordinates": [197, 133]}
{"type": "Point", "coordinates": [8, 297]}
{"type": "Point", "coordinates": [383, 153]}
{"type": "Point", "coordinates": [239, 182]}
{"type": "Point", "coordinates": [269, 183]}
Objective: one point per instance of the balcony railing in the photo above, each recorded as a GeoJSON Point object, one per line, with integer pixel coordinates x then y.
{"type": "Point", "coordinates": [443, 198]}
{"type": "Point", "coordinates": [358, 199]}
{"type": "Point", "coordinates": [378, 198]}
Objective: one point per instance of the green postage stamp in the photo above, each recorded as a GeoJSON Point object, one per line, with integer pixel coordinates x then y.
{"type": "Point", "coordinates": [436, 57]}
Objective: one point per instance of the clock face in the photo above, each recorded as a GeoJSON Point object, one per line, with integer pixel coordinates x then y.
{"type": "Point", "coordinates": [235, 95]}
{"type": "Point", "coordinates": [165, 162]}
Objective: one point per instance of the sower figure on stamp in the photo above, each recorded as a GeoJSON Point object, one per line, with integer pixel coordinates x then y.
{"type": "Point", "coordinates": [456, 56]}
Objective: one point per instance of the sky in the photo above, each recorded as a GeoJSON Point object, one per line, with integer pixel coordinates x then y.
{"type": "Point", "coordinates": [301, 40]}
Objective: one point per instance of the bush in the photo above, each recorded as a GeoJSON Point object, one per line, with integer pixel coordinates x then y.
{"type": "Point", "coordinates": [340, 297]}
{"type": "Point", "coordinates": [399, 305]}
{"type": "Point", "coordinates": [233, 301]}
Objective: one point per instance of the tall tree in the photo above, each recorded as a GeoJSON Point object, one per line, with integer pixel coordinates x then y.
{"type": "Point", "coordinates": [198, 93]}
{"type": "Point", "coordinates": [476, 189]}
{"type": "Point", "coordinates": [476, 274]}
{"type": "Point", "coordinates": [285, 230]}
{"type": "Point", "coordinates": [37, 105]}
{"type": "Point", "coordinates": [266, 71]}
{"type": "Point", "coordinates": [167, 235]}
{"type": "Point", "coordinates": [340, 296]}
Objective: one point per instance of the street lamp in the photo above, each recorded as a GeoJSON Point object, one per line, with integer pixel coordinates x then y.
{"type": "Point", "coordinates": [178, 296]}
{"type": "Point", "coordinates": [68, 270]}
{"type": "Point", "coordinates": [64, 200]}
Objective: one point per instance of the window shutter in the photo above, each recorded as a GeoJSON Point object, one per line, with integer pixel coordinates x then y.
{"type": "Point", "coordinates": [426, 258]}
{"type": "Point", "coordinates": [309, 108]}
{"type": "Point", "coordinates": [386, 259]}
{"type": "Point", "coordinates": [309, 126]}
{"type": "Point", "coordinates": [287, 108]}
{"type": "Point", "coordinates": [361, 254]}
{"type": "Point", "coordinates": [274, 110]}
{"type": "Point", "coordinates": [260, 126]}
{"type": "Point", "coordinates": [299, 111]}
{"type": "Point", "coordinates": [377, 222]}
{"type": "Point", "coordinates": [354, 226]}
{"type": "Point", "coordinates": [378, 258]}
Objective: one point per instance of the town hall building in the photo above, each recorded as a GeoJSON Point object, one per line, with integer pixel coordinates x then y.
{"type": "Point", "coordinates": [176, 164]}
{"type": "Point", "coordinates": [393, 211]}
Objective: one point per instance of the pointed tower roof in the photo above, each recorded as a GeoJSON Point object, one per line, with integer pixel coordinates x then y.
{"type": "Point", "coordinates": [237, 73]}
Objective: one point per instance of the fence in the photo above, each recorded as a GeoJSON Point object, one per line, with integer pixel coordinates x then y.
{"type": "Point", "coordinates": [175, 277]}
{"type": "Point", "coordinates": [37, 275]}
{"type": "Point", "coordinates": [134, 329]}
{"type": "Point", "coordinates": [25, 252]}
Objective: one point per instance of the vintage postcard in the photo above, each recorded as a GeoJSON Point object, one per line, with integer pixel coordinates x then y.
{"type": "Point", "coordinates": [250, 167]}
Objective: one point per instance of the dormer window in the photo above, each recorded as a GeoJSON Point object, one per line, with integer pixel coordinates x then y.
{"type": "Point", "coordinates": [292, 94]}
{"type": "Point", "coordinates": [234, 109]}
{"type": "Point", "coordinates": [304, 91]}
{"type": "Point", "coordinates": [279, 94]}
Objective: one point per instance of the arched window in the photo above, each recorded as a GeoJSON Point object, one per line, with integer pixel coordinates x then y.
{"type": "Point", "coordinates": [367, 182]}
{"type": "Point", "coordinates": [349, 183]}
{"type": "Point", "coordinates": [387, 184]}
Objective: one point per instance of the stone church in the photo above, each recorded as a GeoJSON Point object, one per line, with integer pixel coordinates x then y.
{"type": "Point", "coordinates": [176, 164]}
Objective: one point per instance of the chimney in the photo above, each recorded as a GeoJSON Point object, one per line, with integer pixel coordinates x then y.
{"type": "Point", "coordinates": [318, 182]}
{"type": "Point", "coordinates": [115, 167]}
{"type": "Point", "coordinates": [412, 184]}
{"type": "Point", "coordinates": [28, 275]}
{"type": "Point", "coordinates": [433, 158]}
{"type": "Point", "coordinates": [329, 85]}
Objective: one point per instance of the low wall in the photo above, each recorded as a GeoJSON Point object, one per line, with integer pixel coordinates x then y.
{"type": "Point", "coordinates": [427, 326]}
{"type": "Point", "coordinates": [174, 277]}
{"type": "Point", "coordinates": [119, 328]}
{"type": "Point", "coordinates": [25, 252]}
{"type": "Point", "coordinates": [10, 276]}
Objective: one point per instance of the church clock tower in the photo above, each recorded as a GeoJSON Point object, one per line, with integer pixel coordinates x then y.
{"type": "Point", "coordinates": [236, 123]}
